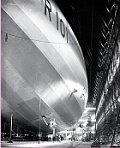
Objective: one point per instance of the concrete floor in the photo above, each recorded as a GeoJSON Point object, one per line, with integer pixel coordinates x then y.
{"type": "Point", "coordinates": [63, 144]}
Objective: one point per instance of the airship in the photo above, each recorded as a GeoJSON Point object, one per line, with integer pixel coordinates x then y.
{"type": "Point", "coordinates": [44, 74]}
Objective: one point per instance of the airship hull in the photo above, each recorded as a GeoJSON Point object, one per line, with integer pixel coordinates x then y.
{"type": "Point", "coordinates": [42, 65]}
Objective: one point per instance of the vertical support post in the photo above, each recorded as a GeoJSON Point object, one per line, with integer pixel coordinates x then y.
{"type": "Point", "coordinates": [53, 126]}
{"type": "Point", "coordinates": [95, 126]}
{"type": "Point", "coordinates": [53, 131]}
{"type": "Point", "coordinates": [39, 121]}
{"type": "Point", "coordinates": [17, 132]}
{"type": "Point", "coordinates": [11, 125]}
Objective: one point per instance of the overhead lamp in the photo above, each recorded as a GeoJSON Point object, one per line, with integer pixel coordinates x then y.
{"type": "Point", "coordinates": [44, 119]}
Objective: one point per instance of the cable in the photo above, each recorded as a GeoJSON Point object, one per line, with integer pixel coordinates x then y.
{"type": "Point", "coordinates": [9, 34]}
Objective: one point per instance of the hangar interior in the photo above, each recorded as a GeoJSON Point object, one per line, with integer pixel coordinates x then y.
{"type": "Point", "coordinates": [60, 63]}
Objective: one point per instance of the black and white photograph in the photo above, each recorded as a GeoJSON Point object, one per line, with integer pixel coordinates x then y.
{"type": "Point", "coordinates": [60, 73]}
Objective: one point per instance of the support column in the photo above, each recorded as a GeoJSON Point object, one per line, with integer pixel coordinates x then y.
{"type": "Point", "coordinates": [11, 124]}
{"type": "Point", "coordinates": [39, 134]}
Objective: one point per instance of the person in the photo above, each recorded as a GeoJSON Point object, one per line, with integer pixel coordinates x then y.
{"type": "Point", "coordinates": [59, 138]}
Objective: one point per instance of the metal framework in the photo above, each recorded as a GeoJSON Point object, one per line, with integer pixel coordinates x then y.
{"type": "Point", "coordinates": [108, 108]}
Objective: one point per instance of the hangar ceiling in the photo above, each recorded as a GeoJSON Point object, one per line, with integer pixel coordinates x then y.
{"type": "Point", "coordinates": [91, 21]}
